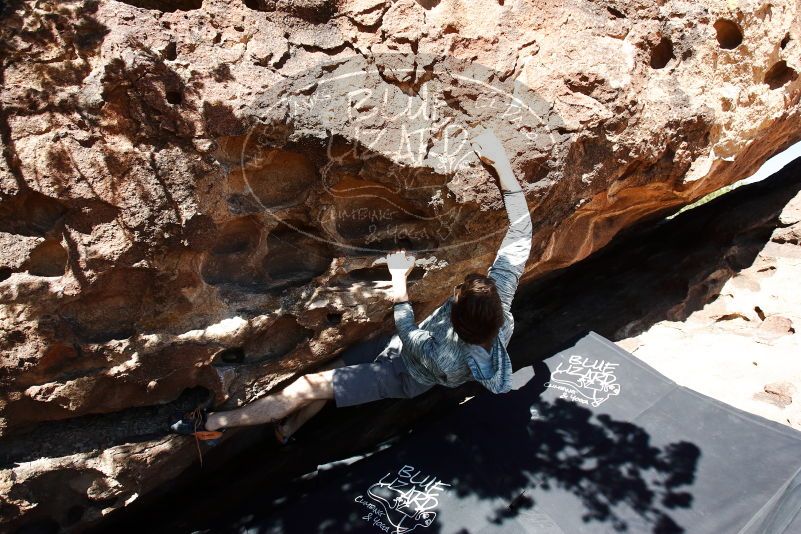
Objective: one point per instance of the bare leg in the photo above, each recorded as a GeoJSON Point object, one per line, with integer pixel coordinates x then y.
{"type": "Point", "coordinates": [292, 424]}
{"type": "Point", "coordinates": [304, 390]}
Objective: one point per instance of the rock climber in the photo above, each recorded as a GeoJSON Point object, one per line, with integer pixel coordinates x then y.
{"type": "Point", "coordinates": [464, 339]}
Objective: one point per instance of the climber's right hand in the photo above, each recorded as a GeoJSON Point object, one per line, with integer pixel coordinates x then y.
{"type": "Point", "coordinates": [399, 264]}
{"type": "Point", "coordinates": [489, 149]}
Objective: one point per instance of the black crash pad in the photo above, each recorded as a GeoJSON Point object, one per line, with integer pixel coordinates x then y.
{"type": "Point", "coordinates": [596, 441]}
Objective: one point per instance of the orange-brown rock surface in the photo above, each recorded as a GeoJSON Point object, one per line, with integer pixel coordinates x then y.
{"type": "Point", "coordinates": [193, 193]}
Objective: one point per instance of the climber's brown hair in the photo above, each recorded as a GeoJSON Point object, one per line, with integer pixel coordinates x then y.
{"type": "Point", "coordinates": [476, 312]}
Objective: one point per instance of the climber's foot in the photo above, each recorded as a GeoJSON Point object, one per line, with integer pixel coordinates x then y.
{"type": "Point", "coordinates": [194, 424]}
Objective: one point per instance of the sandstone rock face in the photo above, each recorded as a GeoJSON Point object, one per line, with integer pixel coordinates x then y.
{"type": "Point", "coordinates": [194, 193]}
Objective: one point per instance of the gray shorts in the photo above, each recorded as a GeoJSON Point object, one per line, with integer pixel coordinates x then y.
{"type": "Point", "coordinates": [373, 373]}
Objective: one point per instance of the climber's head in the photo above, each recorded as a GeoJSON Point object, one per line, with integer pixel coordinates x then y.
{"type": "Point", "coordinates": [476, 312]}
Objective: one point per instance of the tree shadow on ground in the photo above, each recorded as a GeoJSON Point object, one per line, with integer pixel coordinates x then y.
{"type": "Point", "coordinates": [527, 442]}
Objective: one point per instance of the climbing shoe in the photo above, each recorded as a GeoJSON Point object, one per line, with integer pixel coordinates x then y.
{"type": "Point", "coordinates": [193, 423]}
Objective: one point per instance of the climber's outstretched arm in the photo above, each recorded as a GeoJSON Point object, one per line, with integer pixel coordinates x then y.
{"type": "Point", "coordinates": [515, 248]}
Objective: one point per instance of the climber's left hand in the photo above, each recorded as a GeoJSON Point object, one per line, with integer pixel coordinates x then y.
{"type": "Point", "coordinates": [400, 264]}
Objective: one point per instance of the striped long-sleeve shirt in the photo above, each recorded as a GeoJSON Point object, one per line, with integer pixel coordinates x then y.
{"type": "Point", "coordinates": [432, 351]}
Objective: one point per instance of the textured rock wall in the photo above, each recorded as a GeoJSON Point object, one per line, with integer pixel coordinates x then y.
{"type": "Point", "coordinates": [193, 193]}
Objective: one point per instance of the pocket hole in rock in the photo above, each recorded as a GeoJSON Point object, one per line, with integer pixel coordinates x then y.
{"type": "Point", "coordinates": [170, 51]}
{"type": "Point", "coordinates": [389, 244]}
{"type": "Point", "coordinates": [370, 274]}
{"type": "Point", "coordinates": [16, 336]}
{"type": "Point", "coordinates": [779, 75]}
{"type": "Point", "coordinates": [174, 97]}
{"type": "Point", "coordinates": [333, 318]}
{"type": "Point", "coordinates": [228, 262]}
{"type": "Point", "coordinates": [294, 258]}
{"type": "Point", "coordinates": [280, 178]}
{"type": "Point", "coordinates": [238, 235]}
{"type": "Point", "coordinates": [662, 54]}
{"type": "Point", "coordinates": [48, 259]}
{"type": "Point", "coordinates": [165, 5]}
{"type": "Point", "coordinates": [731, 317]}
{"type": "Point", "coordinates": [381, 273]}
{"type": "Point", "coordinates": [230, 356]}
{"type": "Point", "coordinates": [310, 10]}
{"type": "Point", "coordinates": [30, 213]}
{"type": "Point", "coordinates": [258, 5]}
{"type": "Point", "coordinates": [729, 34]}
{"type": "Point", "coordinates": [785, 41]}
